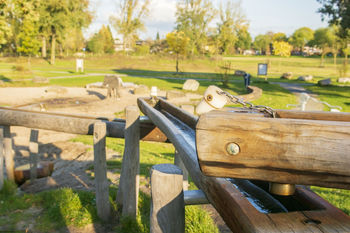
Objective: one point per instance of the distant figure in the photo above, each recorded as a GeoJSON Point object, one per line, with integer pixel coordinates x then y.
{"type": "Point", "coordinates": [246, 77]}
{"type": "Point", "coordinates": [113, 84]}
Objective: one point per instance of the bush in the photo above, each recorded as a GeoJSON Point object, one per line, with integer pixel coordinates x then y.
{"type": "Point", "coordinates": [21, 68]}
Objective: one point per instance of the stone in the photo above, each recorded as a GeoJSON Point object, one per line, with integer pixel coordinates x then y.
{"type": "Point", "coordinates": [38, 79]}
{"type": "Point", "coordinates": [324, 82]}
{"type": "Point", "coordinates": [240, 73]}
{"type": "Point", "coordinates": [343, 80]}
{"type": "Point", "coordinates": [191, 85]}
{"type": "Point", "coordinates": [305, 78]}
{"type": "Point", "coordinates": [142, 90]}
{"type": "Point", "coordinates": [287, 75]}
{"type": "Point", "coordinates": [174, 94]}
{"type": "Point", "coordinates": [188, 108]}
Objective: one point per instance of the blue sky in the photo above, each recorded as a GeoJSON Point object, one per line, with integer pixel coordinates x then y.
{"type": "Point", "coordinates": [264, 15]}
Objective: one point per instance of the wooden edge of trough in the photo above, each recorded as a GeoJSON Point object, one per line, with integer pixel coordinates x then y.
{"type": "Point", "coordinates": [238, 213]}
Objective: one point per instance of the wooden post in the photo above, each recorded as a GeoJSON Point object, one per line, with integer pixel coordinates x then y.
{"type": "Point", "coordinates": [100, 169]}
{"type": "Point", "coordinates": [9, 157]}
{"type": "Point", "coordinates": [167, 199]}
{"type": "Point", "coordinates": [1, 157]}
{"type": "Point", "coordinates": [178, 162]}
{"type": "Point", "coordinates": [128, 191]}
{"type": "Point", "coordinates": [34, 150]}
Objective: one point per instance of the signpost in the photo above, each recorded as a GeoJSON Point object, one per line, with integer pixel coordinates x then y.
{"type": "Point", "coordinates": [262, 70]}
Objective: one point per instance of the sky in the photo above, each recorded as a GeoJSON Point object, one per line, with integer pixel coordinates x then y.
{"type": "Point", "coordinates": [263, 15]}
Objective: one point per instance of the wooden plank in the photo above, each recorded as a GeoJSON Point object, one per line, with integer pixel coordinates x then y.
{"type": "Point", "coordinates": [1, 157]}
{"type": "Point", "coordinates": [167, 199]}
{"type": "Point", "coordinates": [314, 115]}
{"type": "Point", "coordinates": [131, 163]}
{"type": "Point", "coordinates": [238, 213]}
{"type": "Point", "coordinates": [34, 150]}
{"type": "Point", "coordinates": [292, 151]}
{"type": "Point", "coordinates": [100, 169]}
{"type": "Point", "coordinates": [9, 155]}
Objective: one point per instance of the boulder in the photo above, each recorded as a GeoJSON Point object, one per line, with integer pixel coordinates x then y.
{"type": "Point", "coordinates": [239, 73]}
{"type": "Point", "coordinates": [324, 82]}
{"type": "Point", "coordinates": [287, 75]}
{"type": "Point", "coordinates": [174, 94]}
{"type": "Point", "coordinates": [142, 90]}
{"type": "Point", "coordinates": [305, 78]}
{"type": "Point", "coordinates": [191, 85]}
{"type": "Point", "coordinates": [40, 80]}
{"type": "Point", "coordinates": [343, 80]}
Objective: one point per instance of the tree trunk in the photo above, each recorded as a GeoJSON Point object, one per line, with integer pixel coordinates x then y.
{"type": "Point", "coordinates": [177, 63]}
{"type": "Point", "coordinates": [43, 48]}
{"type": "Point", "coordinates": [53, 49]}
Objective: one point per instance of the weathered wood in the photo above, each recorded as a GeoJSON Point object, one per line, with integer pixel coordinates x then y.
{"type": "Point", "coordinates": [325, 116]}
{"type": "Point", "coordinates": [34, 150]}
{"type": "Point", "coordinates": [238, 213]}
{"type": "Point", "coordinates": [1, 157]}
{"type": "Point", "coordinates": [100, 168]}
{"type": "Point", "coordinates": [22, 173]}
{"type": "Point", "coordinates": [293, 151]}
{"type": "Point", "coordinates": [9, 155]}
{"type": "Point", "coordinates": [73, 123]}
{"type": "Point", "coordinates": [178, 162]}
{"type": "Point", "coordinates": [131, 163]}
{"type": "Point", "coordinates": [167, 200]}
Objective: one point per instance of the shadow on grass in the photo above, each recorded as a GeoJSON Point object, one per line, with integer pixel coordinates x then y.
{"type": "Point", "coordinates": [5, 79]}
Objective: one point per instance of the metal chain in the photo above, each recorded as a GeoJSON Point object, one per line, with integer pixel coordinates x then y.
{"type": "Point", "coordinates": [236, 100]}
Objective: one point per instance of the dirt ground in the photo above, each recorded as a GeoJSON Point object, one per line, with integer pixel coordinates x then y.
{"type": "Point", "coordinates": [71, 159]}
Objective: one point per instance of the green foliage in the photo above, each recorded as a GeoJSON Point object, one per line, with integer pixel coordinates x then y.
{"type": "Point", "coordinates": [279, 36]}
{"type": "Point", "coordinates": [142, 50]}
{"type": "Point", "coordinates": [262, 43]}
{"type": "Point", "coordinates": [324, 37]}
{"type": "Point", "coordinates": [178, 43]}
{"type": "Point", "coordinates": [337, 197]}
{"type": "Point", "coordinates": [193, 18]}
{"type": "Point", "coordinates": [28, 39]}
{"type": "Point", "coordinates": [198, 221]}
{"type": "Point", "coordinates": [101, 42]}
{"type": "Point", "coordinates": [244, 40]}
{"type": "Point", "coordinates": [337, 11]}
{"type": "Point", "coordinates": [8, 189]}
{"type": "Point", "coordinates": [282, 48]}
{"type": "Point", "coordinates": [301, 37]}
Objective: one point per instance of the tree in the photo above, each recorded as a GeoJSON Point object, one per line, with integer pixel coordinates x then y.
{"type": "Point", "coordinates": [28, 39]}
{"type": "Point", "coordinates": [262, 43]}
{"type": "Point", "coordinates": [5, 29]}
{"type": "Point", "coordinates": [193, 18]}
{"type": "Point", "coordinates": [232, 27]}
{"type": "Point", "coordinates": [338, 12]}
{"type": "Point", "coordinates": [279, 36]}
{"type": "Point", "coordinates": [326, 39]}
{"type": "Point", "coordinates": [129, 20]}
{"type": "Point", "coordinates": [244, 40]}
{"type": "Point", "coordinates": [301, 37]}
{"type": "Point", "coordinates": [282, 48]}
{"type": "Point", "coordinates": [101, 42]}
{"type": "Point", "coordinates": [178, 43]}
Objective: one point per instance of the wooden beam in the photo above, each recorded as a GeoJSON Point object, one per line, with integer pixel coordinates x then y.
{"type": "Point", "coordinates": [100, 168]}
{"type": "Point", "coordinates": [34, 150]}
{"type": "Point", "coordinates": [1, 157]}
{"type": "Point", "coordinates": [324, 116]}
{"type": "Point", "coordinates": [9, 155]}
{"type": "Point", "coordinates": [293, 151]}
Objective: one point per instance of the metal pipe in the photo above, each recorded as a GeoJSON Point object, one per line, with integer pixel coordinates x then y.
{"type": "Point", "coordinates": [195, 197]}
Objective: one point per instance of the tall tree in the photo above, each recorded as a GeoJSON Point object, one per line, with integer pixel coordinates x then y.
{"type": "Point", "coordinates": [244, 40]}
{"type": "Point", "coordinates": [101, 42]}
{"type": "Point", "coordinates": [262, 43]}
{"type": "Point", "coordinates": [177, 42]}
{"type": "Point", "coordinates": [326, 39]}
{"type": "Point", "coordinates": [193, 18]}
{"type": "Point", "coordinates": [301, 37]}
{"type": "Point", "coordinates": [338, 12]}
{"type": "Point", "coordinates": [130, 19]}
{"type": "Point", "coordinates": [5, 29]}
{"type": "Point", "coordinates": [279, 36]}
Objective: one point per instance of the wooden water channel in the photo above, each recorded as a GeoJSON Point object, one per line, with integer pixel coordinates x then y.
{"type": "Point", "coordinates": [245, 205]}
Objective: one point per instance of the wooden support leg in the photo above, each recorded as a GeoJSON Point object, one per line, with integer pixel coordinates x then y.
{"type": "Point", "coordinates": [128, 191]}
{"type": "Point", "coordinates": [167, 199]}
{"type": "Point", "coordinates": [100, 169]}
{"type": "Point", "coordinates": [178, 162]}
{"type": "Point", "coordinates": [34, 150]}
{"type": "Point", "coordinates": [1, 157]}
{"type": "Point", "coordinates": [9, 156]}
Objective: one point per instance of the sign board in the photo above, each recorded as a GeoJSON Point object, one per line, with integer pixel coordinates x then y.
{"type": "Point", "coordinates": [262, 69]}
{"type": "Point", "coordinates": [79, 65]}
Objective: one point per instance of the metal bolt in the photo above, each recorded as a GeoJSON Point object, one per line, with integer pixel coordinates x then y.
{"type": "Point", "coordinates": [232, 148]}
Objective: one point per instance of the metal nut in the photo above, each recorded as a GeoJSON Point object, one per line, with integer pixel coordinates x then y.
{"type": "Point", "coordinates": [232, 148]}
{"type": "Point", "coordinates": [209, 97]}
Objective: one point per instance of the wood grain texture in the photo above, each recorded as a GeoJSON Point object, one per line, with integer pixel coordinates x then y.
{"type": "Point", "coordinates": [293, 151]}
{"type": "Point", "coordinates": [237, 212]}
{"type": "Point", "coordinates": [325, 116]}
{"type": "Point", "coordinates": [100, 169]}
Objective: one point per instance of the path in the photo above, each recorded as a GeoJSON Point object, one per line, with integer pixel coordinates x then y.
{"type": "Point", "coordinates": [297, 89]}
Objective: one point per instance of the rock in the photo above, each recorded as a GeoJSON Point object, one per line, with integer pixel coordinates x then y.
{"type": "Point", "coordinates": [191, 85]}
{"type": "Point", "coordinates": [324, 82]}
{"type": "Point", "coordinates": [174, 94]}
{"type": "Point", "coordinates": [305, 78]}
{"type": "Point", "coordinates": [38, 79]}
{"type": "Point", "coordinates": [287, 75]}
{"type": "Point", "coordinates": [239, 73]}
{"type": "Point", "coordinates": [142, 90]}
{"type": "Point", "coordinates": [343, 80]}
{"type": "Point", "coordinates": [188, 108]}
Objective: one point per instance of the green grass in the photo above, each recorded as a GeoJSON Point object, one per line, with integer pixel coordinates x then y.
{"type": "Point", "coordinates": [338, 197]}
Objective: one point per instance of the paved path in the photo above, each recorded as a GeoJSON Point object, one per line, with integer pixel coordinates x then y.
{"type": "Point", "coordinates": [297, 89]}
